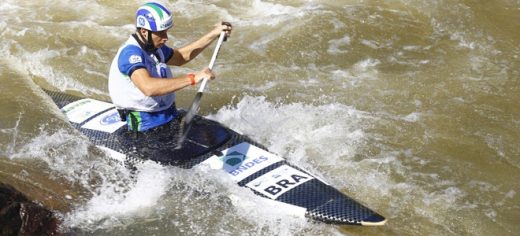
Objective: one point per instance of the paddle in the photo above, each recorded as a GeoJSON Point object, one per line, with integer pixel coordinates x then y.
{"type": "Point", "coordinates": [188, 118]}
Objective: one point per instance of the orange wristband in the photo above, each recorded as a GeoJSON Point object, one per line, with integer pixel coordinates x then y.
{"type": "Point", "coordinates": [192, 78]}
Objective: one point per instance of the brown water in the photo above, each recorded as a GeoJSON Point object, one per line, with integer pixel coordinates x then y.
{"type": "Point", "coordinates": [408, 106]}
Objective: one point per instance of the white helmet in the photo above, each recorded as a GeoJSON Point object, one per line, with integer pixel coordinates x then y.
{"type": "Point", "coordinates": [154, 17]}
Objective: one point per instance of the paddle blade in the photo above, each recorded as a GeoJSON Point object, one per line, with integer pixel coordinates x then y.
{"type": "Point", "coordinates": [193, 108]}
{"type": "Point", "coordinates": [188, 118]}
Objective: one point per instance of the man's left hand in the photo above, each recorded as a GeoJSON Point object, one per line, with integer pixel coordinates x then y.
{"type": "Point", "coordinates": [223, 26]}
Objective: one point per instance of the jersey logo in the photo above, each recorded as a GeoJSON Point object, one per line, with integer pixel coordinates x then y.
{"type": "Point", "coordinates": [135, 59]}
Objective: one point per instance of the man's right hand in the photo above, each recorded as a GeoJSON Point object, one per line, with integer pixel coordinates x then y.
{"type": "Point", "coordinates": [204, 73]}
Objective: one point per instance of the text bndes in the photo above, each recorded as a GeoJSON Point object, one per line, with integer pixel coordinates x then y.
{"type": "Point", "coordinates": [248, 165]}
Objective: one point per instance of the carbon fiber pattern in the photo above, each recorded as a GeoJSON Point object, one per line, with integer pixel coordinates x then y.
{"type": "Point", "coordinates": [207, 138]}
{"type": "Point", "coordinates": [343, 210]}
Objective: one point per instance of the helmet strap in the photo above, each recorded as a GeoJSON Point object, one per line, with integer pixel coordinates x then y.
{"type": "Point", "coordinates": [147, 45]}
{"type": "Point", "coordinates": [149, 42]}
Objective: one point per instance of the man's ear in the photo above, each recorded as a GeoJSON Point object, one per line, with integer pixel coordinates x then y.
{"type": "Point", "coordinates": [144, 32]}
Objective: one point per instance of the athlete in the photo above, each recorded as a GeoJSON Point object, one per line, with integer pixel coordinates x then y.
{"type": "Point", "coordinates": [140, 83]}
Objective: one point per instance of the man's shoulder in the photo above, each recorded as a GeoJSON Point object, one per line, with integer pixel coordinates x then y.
{"type": "Point", "coordinates": [130, 56]}
{"type": "Point", "coordinates": [130, 50]}
{"type": "Point", "coordinates": [130, 47]}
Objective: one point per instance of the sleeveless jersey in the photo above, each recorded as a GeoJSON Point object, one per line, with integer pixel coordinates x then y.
{"type": "Point", "coordinates": [150, 111]}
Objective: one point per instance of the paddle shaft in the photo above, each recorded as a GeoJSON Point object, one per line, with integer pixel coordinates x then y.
{"type": "Point", "coordinates": [196, 101]}
{"type": "Point", "coordinates": [213, 59]}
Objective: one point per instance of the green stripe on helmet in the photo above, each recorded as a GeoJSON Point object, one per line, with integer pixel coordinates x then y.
{"type": "Point", "coordinates": [157, 9]}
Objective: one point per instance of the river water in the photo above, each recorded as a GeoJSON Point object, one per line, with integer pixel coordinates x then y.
{"type": "Point", "coordinates": [411, 107]}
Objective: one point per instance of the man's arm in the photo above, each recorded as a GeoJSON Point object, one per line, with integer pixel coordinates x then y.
{"type": "Point", "coordinates": [151, 86]}
{"type": "Point", "coordinates": [185, 54]}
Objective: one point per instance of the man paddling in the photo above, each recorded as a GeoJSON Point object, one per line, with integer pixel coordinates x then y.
{"type": "Point", "coordinates": [140, 83]}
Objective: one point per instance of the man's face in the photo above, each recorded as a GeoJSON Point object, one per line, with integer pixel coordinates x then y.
{"type": "Point", "coordinates": [159, 38]}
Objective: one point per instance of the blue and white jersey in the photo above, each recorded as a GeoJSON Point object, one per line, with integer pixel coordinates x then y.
{"type": "Point", "coordinates": [124, 93]}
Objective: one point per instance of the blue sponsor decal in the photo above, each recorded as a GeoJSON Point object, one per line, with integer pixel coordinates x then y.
{"type": "Point", "coordinates": [141, 21]}
{"type": "Point", "coordinates": [236, 162]}
{"type": "Point", "coordinates": [109, 119]}
{"type": "Point", "coordinates": [233, 160]}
